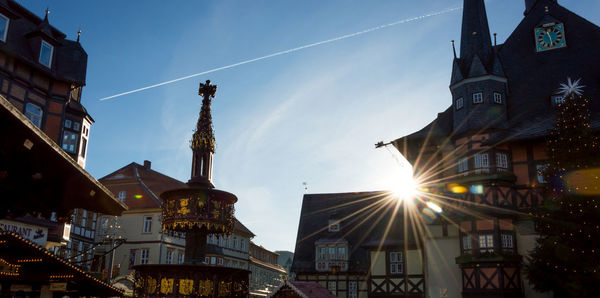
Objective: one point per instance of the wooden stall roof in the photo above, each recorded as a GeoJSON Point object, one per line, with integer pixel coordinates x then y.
{"type": "Point", "coordinates": [37, 176]}
{"type": "Point", "coordinates": [29, 263]}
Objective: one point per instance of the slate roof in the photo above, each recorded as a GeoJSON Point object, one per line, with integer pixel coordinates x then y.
{"type": "Point", "coordinates": [364, 218]}
{"type": "Point", "coordinates": [23, 42]}
{"type": "Point", "coordinates": [534, 77]}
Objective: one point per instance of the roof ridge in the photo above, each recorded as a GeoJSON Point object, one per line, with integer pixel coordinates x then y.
{"type": "Point", "coordinates": [144, 186]}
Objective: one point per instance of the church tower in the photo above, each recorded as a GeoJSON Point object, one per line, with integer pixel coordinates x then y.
{"type": "Point", "coordinates": [478, 85]}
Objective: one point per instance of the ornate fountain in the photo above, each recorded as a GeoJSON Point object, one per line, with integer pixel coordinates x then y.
{"type": "Point", "coordinates": [197, 210]}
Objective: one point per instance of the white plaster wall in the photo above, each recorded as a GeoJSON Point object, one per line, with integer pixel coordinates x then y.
{"type": "Point", "coordinates": [443, 276]}
{"type": "Point", "coordinates": [525, 243]}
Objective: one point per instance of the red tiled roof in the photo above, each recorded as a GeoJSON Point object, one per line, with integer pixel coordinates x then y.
{"type": "Point", "coordinates": [139, 180]}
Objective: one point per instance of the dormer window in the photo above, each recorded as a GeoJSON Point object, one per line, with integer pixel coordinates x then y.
{"type": "Point", "coordinates": [498, 98]}
{"type": "Point", "coordinates": [3, 27]}
{"type": "Point", "coordinates": [557, 100]}
{"type": "Point", "coordinates": [334, 225]}
{"type": "Point", "coordinates": [477, 98]}
{"type": "Point", "coordinates": [460, 103]}
{"type": "Point", "coordinates": [46, 51]}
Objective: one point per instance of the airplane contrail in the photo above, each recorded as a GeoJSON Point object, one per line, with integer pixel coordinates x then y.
{"type": "Point", "coordinates": [285, 52]}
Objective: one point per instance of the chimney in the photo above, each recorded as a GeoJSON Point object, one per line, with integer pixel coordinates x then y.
{"type": "Point", "coordinates": [147, 164]}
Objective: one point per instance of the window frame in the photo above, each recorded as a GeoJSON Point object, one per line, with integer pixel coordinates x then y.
{"type": "Point", "coordinates": [467, 244]}
{"type": "Point", "coordinates": [460, 103]}
{"type": "Point", "coordinates": [35, 119]}
{"type": "Point", "coordinates": [144, 256]}
{"type": "Point", "coordinates": [502, 160]}
{"type": "Point", "coordinates": [478, 98]}
{"type": "Point", "coordinates": [147, 224]}
{"type": "Point", "coordinates": [51, 47]}
{"type": "Point", "coordinates": [482, 163]}
{"type": "Point", "coordinates": [487, 239]}
{"type": "Point", "coordinates": [557, 100]}
{"type": "Point", "coordinates": [395, 262]}
{"type": "Point", "coordinates": [463, 165]}
{"type": "Point", "coordinates": [122, 195]}
{"type": "Point", "coordinates": [540, 168]}
{"type": "Point", "coordinates": [498, 98]}
{"type": "Point", "coordinates": [169, 256]}
{"type": "Point", "coordinates": [334, 225]}
{"type": "Point", "coordinates": [5, 35]}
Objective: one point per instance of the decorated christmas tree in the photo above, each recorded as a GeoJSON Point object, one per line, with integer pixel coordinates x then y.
{"type": "Point", "coordinates": [566, 259]}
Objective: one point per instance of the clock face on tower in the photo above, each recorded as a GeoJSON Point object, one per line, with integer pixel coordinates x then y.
{"type": "Point", "coordinates": [550, 37]}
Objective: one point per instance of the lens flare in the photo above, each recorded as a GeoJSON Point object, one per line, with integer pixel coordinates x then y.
{"type": "Point", "coordinates": [433, 206]}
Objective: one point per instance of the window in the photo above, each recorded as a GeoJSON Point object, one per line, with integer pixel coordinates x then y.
{"type": "Point", "coordinates": [502, 160]}
{"type": "Point", "coordinates": [486, 243]}
{"type": "Point", "coordinates": [3, 27]}
{"type": "Point", "coordinates": [235, 242]}
{"type": "Point", "coordinates": [70, 141]}
{"type": "Point", "coordinates": [498, 98]}
{"type": "Point", "coordinates": [34, 114]}
{"type": "Point", "coordinates": [220, 261]}
{"type": "Point", "coordinates": [477, 98]}
{"type": "Point", "coordinates": [460, 103]}
{"type": "Point", "coordinates": [46, 50]}
{"type": "Point", "coordinates": [557, 100]}
{"type": "Point", "coordinates": [396, 262]}
{"type": "Point", "coordinates": [169, 259]}
{"type": "Point", "coordinates": [463, 165]}
{"type": "Point", "coordinates": [322, 253]}
{"type": "Point", "coordinates": [352, 289]}
{"type": "Point", "coordinates": [180, 257]}
{"type": "Point", "coordinates": [332, 253]}
{"type": "Point", "coordinates": [147, 224]}
{"type": "Point", "coordinates": [482, 162]}
{"type": "Point", "coordinates": [507, 241]}
{"type": "Point", "coordinates": [144, 256]}
{"type": "Point", "coordinates": [467, 244]}
{"type": "Point", "coordinates": [334, 225]}
{"type": "Point", "coordinates": [221, 241]}
{"type": "Point", "coordinates": [243, 244]}
{"type": "Point", "coordinates": [213, 260]}
{"type": "Point", "coordinates": [540, 173]}
{"type": "Point", "coordinates": [341, 253]}
{"type": "Point", "coordinates": [83, 147]}
{"type": "Point", "coordinates": [132, 257]}
{"type": "Point", "coordinates": [332, 287]}
{"type": "Point", "coordinates": [122, 195]}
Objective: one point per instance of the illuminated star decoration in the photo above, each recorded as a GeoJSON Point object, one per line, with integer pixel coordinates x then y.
{"type": "Point", "coordinates": [571, 88]}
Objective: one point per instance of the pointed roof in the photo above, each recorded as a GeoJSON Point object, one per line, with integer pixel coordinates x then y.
{"type": "Point", "coordinates": [476, 44]}
{"type": "Point", "coordinates": [475, 37]}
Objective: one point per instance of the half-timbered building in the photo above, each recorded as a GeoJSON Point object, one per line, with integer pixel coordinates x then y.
{"type": "Point", "coordinates": [480, 159]}
{"type": "Point", "coordinates": [487, 150]}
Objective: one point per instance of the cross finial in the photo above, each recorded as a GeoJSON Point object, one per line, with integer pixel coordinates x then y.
{"type": "Point", "coordinates": [207, 90]}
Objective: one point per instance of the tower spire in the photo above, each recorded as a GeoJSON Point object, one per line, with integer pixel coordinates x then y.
{"type": "Point", "coordinates": [475, 37]}
{"type": "Point", "coordinates": [203, 141]}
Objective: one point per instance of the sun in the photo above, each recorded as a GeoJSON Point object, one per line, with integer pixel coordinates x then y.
{"type": "Point", "coordinates": [404, 188]}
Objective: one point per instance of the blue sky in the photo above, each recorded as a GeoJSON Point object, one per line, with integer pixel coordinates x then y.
{"type": "Point", "coordinates": [310, 116]}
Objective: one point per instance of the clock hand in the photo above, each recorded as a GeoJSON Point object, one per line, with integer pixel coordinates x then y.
{"type": "Point", "coordinates": [549, 37]}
